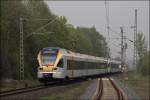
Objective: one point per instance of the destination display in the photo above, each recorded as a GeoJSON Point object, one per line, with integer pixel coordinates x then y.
{"type": "Point", "coordinates": [49, 51]}
{"type": "Point", "coordinates": [44, 52]}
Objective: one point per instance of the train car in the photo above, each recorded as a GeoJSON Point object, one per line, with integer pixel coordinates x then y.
{"type": "Point", "coordinates": [58, 63]}
{"type": "Point", "coordinates": [115, 66]}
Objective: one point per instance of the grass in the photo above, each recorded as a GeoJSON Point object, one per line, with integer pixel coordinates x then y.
{"type": "Point", "coordinates": [140, 84]}
{"type": "Point", "coordinates": [15, 84]}
{"type": "Point", "coordinates": [72, 92]}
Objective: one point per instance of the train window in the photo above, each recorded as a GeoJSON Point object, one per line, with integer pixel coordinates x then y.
{"type": "Point", "coordinates": [88, 65]}
{"type": "Point", "coordinates": [77, 65]}
{"type": "Point", "coordinates": [102, 65]}
{"type": "Point", "coordinates": [81, 65]}
{"type": "Point", "coordinates": [60, 63]}
{"type": "Point", "coordinates": [70, 64]}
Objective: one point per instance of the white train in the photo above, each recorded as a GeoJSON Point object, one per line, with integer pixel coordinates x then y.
{"type": "Point", "coordinates": [58, 63]}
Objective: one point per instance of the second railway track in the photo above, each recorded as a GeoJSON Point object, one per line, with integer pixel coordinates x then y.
{"type": "Point", "coordinates": [108, 90]}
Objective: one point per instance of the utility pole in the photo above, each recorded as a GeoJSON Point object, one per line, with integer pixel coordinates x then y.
{"type": "Point", "coordinates": [21, 67]}
{"type": "Point", "coordinates": [125, 48]}
{"type": "Point", "coordinates": [21, 51]}
{"type": "Point", "coordinates": [107, 19]}
{"type": "Point", "coordinates": [122, 47]}
{"type": "Point", "coordinates": [135, 40]}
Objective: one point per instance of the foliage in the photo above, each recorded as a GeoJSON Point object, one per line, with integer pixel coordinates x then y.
{"type": "Point", "coordinates": [143, 64]}
{"type": "Point", "coordinates": [141, 44]}
{"type": "Point", "coordinates": [10, 36]}
{"type": "Point", "coordinates": [143, 55]}
{"type": "Point", "coordinates": [58, 34]}
{"type": "Point", "coordinates": [96, 41]}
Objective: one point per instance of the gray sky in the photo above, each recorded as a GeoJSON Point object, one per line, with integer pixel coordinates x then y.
{"type": "Point", "coordinates": [93, 13]}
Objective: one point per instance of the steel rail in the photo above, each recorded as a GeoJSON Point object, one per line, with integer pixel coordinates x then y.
{"type": "Point", "coordinates": [99, 90]}
{"type": "Point", "coordinates": [119, 92]}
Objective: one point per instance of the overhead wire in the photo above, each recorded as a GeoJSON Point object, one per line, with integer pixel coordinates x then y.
{"type": "Point", "coordinates": [114, 31]}
{"type": "Point", "coordinates": [43, 26]}
{"type": "Point", "coordinates": [115, 45]}
{"type": "Point", "coordinates": [108, 27]}
{"type": "Point", "coordinates": [116, 52]}
{"type": "Point", "coordinates": [114, 41]}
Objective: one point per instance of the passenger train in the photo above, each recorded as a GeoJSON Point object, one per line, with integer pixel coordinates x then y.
{"type": "Point", "coordinates": [59, 63]}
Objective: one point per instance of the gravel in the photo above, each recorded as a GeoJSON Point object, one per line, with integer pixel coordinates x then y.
{"type": "Point", "coordinates": [89, 91]}
{"type": "Point", "coordinates": [130, 93]}
{"type": "Point", "coordinates": [36, 95]}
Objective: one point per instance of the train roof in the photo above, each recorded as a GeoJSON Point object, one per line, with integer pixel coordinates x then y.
{"type": "Point", "coordinates": [78, 55]}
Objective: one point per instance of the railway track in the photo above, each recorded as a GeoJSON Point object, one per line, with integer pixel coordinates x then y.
{"type": "Point", "coordinates": [27, 89]}
{"type": "Point", "coordinates": [107, 90]}
{"type": "Point", "coordinates": [38, 87]}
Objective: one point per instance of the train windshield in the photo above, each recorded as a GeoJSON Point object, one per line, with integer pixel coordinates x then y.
{"type": "Point", "coordinates": [48, 58]}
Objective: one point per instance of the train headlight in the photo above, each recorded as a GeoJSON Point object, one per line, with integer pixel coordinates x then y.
{"type": "Point", "coordinates": [55, 68]}
{"type": "Point", "coordinates": [40, 68]}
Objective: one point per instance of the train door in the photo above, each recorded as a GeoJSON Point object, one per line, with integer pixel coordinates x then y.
{"type": "Point", "coordinates": [86, 68]}
{"type": "Point", "coordinates": [108, 67]}
{"type": "Point", "coordinates": [60, 69]}
{"type": "Point", "coordinates": [65, 66]}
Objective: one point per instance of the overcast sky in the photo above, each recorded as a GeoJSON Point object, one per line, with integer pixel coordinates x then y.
{"type": "Point", "coordinates": [93, 13]}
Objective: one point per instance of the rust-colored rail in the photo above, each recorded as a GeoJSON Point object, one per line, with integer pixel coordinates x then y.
{"type": "Point", "coordinates": [119, 92]}
{"type": "Point", "coordinates": [99, 90]}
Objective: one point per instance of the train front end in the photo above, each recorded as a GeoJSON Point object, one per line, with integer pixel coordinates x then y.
{"type": "Point", "coordinates": [48, 59]}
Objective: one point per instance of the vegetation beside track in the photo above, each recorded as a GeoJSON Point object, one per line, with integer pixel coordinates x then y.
{"type": "Point", "coordinates": [9, 84]}
{"type": "Point", "coordinates": [140, 84]}
{"type": "Point", "coordinates": [71, 92]}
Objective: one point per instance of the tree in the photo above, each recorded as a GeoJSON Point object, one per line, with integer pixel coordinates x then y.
{"type": "Point", "coordinates": [97, 41]}
{"type": "Point", "coordinates": [11, 11]}
{"type": "Point", "coordinates": [143, 64]}
{"type": "Point", "coordinates": [141, 44]}
{"type": "Point", "coordinates": [142, 52]}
